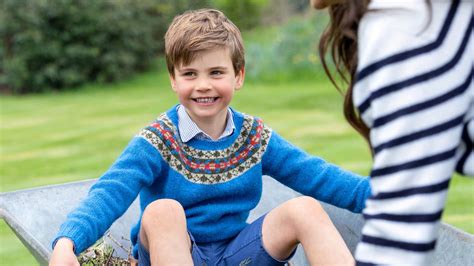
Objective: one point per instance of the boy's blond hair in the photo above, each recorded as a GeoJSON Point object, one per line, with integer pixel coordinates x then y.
{"type": "Point", "coordinates": [201, 30]}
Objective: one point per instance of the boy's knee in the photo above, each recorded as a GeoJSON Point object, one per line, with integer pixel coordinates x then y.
{"type": "Point", "coordinates": [163, 210]}
{"type": "Point", "coordinates": [163, 215]}
{"type": "Point", "coordinates": [297, 213]}
{"type": "Point", "coordinates": [304, 211]}
{"type": "Point", "coordinates": [304, 207]}
{"type": "Point", "coordinates": [305, 204]}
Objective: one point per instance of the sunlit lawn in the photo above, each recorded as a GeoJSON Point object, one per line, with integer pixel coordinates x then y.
{"type": "Point", "coordinates": [56, 138]}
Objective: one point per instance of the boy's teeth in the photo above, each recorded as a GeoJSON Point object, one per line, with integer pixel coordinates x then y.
{"type": "Point", "coordinates": [205, 100]}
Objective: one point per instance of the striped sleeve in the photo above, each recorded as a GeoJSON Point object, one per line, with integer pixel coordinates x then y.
{"type": "Point", "coordinates": [414, 90]}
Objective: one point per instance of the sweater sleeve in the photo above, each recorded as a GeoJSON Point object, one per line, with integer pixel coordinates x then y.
{"type": "Point", "coordinates": [313, 176]}
{"type": "Point", "coordinates": [414, 94]}
{"type": "Point", "coordinates": [111, 195]}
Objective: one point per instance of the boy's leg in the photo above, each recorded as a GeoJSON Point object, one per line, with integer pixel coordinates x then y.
{"type": "Point", "coordinates": [303, 220]}
{"type": "Point", "coordinates": [164, 235]}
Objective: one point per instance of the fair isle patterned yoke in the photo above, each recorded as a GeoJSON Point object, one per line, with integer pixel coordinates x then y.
{"type": "Point", "coordinates": [209, 166]}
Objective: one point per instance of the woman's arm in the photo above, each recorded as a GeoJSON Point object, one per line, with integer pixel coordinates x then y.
{"type": "Point", "coordinates": [412, 91]}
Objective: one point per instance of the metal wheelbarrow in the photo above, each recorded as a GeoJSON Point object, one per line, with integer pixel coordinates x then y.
{"type": "Point", "coordinates": [36, 214]}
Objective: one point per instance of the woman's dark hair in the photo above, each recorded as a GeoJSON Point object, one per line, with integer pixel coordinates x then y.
{"type": "Point", "coordinates": [340, 38]}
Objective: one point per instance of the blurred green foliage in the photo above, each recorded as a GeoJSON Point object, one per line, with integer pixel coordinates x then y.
{"type": "Point", "coordinates": [58, 44]}
{"type": "Point", "coordinates": [291, 53]}
{"type": "Point", "coordinates": [53, 44]}
{"type": "Point", "coordinates": [246, 14]}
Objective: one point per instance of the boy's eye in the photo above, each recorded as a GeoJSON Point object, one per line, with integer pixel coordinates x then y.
{"type": "Point", "coordinates": [189, 74]}
{"type": "Point", "coordinates": [216, 72]}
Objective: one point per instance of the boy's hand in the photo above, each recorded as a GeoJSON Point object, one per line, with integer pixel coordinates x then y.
{"type": "Point", "coordinates": [63, 253]}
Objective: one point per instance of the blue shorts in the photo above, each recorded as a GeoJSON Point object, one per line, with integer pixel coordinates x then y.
{"type": "Point", "coordinates": [244, 249]}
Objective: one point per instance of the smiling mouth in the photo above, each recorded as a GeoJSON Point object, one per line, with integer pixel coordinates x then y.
{"type": "Point", "coordinates": [206, 99]}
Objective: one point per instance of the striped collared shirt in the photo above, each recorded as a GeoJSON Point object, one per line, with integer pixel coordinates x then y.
{"type": "Point", "coordinates": [189, 130]}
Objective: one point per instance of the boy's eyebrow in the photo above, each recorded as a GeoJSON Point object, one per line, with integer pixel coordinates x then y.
{"type": "Point", "coordinates": [218, 67]}
{"type": "Point", "coordinates": [183, 69]}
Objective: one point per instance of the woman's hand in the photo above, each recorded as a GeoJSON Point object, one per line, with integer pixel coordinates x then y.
{"type": "Point", "coordinates": [63, 253]}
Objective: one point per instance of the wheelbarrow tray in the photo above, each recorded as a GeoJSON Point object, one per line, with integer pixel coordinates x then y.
{"type": "Point", "coordinates": [36, 214]}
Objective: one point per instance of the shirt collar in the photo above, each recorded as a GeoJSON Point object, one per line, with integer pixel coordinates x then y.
{"type": "Point", "coordinates": [189, 130]}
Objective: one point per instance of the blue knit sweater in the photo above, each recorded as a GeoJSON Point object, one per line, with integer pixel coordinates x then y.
{"type": "Point", "coordinates": [217, 182]}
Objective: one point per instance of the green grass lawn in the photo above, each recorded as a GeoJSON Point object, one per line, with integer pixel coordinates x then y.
{"type": "Point", "coordinates": [56, 138]}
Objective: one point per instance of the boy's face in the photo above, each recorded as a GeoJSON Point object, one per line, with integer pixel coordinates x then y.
{"type": "Point", "coordinates": [206, 86]}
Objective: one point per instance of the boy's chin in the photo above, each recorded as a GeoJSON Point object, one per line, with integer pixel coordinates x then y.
{"type": "Point", "coordinates": [208, 114]}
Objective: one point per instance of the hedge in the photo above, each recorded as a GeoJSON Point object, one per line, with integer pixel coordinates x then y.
{"type": "Point", "coordinates": [59, 44]}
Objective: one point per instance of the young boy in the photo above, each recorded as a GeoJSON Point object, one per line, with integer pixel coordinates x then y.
{"type": "Point", "coordinates": [198, 171]}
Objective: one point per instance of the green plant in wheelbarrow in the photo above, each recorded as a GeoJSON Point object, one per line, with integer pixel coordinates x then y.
{"type": "Point", "coordinates": [102, 253]}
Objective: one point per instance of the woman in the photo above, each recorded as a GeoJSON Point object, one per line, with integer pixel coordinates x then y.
{"type": "Point", "coordinates": [408, 67]}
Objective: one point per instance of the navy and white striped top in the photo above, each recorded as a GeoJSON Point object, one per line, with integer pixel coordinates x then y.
{"type": "Point", "coordinates": [414, 91]}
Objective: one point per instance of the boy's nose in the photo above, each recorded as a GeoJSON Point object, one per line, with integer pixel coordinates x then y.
{"type": "Point", "coordinates": [203, 84]}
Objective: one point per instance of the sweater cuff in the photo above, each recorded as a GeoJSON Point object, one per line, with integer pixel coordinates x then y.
{"type": "Point", "coordinates": [55, 241]}
{"type": "Point", "coordinates": [75, 236]}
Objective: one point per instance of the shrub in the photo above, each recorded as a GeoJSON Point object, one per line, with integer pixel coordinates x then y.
{"type": "Point", "coordinates": [291, 53]}
{"type": "Point", "coordinates": [57, 44]}
{"type": "Point", "coordinates": [246, 14]}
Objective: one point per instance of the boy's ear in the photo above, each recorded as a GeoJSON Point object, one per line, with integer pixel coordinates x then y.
{"type": "Point", "coordinates": [173, 82]}
{"type": "Point", "coordinates": [240, 77]}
